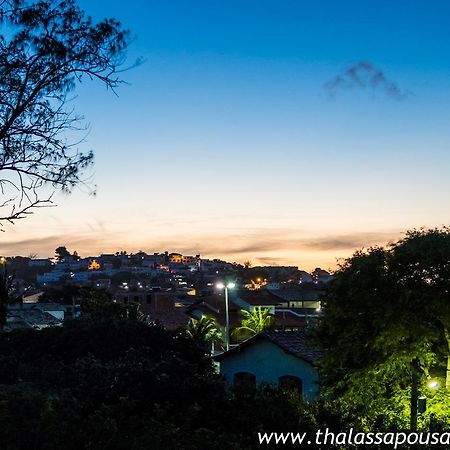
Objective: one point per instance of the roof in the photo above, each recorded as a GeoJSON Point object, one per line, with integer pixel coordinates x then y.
{"type": "Point", "coordinates": [295, 343]}
{"type": "Point", "coordinates": [30, 318]}
{"type": "Point", "coordinates": [257, 298]}
{"type": "Point", "coordinates": [296, 294]}
{"type": "Point", "coordinates": [216, 302]}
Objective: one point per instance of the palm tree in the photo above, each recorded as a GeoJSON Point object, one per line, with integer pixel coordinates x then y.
{"type": "Point", "coordinates": [254, 322]}
{"type": "Point", "coordinates": [204, 332]}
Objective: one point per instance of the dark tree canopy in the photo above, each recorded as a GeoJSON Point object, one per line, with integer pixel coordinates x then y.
{"type": "Point", "coordinates": [46, 49]}
{"type": "Point", "coordinates": [127, 385]}
{"type": "Point", "coordinates": [385, 308]}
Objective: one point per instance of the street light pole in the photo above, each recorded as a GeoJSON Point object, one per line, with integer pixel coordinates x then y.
{"type": "Point", "coordinates": [227, 321]}
{"type": "Point", "coordinates": [225, 287]}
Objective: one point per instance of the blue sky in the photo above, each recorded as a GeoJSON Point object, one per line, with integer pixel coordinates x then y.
{"type": "Point", "coordinates": [226, 142]}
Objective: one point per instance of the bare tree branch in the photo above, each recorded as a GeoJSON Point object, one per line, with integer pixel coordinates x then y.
{"type": "Point", "coordinates": [52, 47]}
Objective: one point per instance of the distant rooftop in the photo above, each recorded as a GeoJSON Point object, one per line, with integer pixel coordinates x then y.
{"type": "Point", "coordinates": [292, 294]}
{"type": "Point", "coordinates": [257, 298]}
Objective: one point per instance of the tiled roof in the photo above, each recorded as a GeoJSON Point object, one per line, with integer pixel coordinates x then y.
{"type": "Point", "coordinates": [295, 343]}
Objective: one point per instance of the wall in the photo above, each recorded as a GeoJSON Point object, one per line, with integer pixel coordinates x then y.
{"type": "Point", "coordinates": [268, 362]}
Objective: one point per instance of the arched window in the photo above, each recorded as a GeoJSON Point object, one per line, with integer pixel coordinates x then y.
{"type": "Point", "coordinates": [244, 381]}
{"type": "Point", "coordinates": [291, 382]}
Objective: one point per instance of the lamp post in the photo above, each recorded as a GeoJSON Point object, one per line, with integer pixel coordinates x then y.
{"type": "Point", "coordinates": [226, 286]}
{"type": "Point", "coordinates": [418, 403]}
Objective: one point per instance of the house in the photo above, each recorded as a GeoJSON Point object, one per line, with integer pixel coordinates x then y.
{"type": "Point", "coordinates": [176, 258]}
{"type": "Point", "coordinates": [39, 262]}
{"type": "Point", "coordinates": [250, 300]}
{"type": "Point", "coordinates": [297, 297]}
{"type": "Point", "coordinates": [157, 306]}
{"type": "Point", "coordinates": [49, 277]}
{"type": "Point", "coordinates": [283, 358]}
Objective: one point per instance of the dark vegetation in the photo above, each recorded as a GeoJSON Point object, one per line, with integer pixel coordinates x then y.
{"type": "Point", "coordinates": [124, 384]}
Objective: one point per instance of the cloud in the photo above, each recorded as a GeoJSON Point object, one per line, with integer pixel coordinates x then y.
{"type": "Point", "coordinates": [268, 261]}
{"type": "Point", "coordinates": [277, 240]}
{"type": "Point", "coordinates": [45, 246]}
{"type": "Point", "coordinates": [27, 246]}
{"type": "Point", "coordinates": [350, 241]}
{"type": "Point", "coordinates": [364, 75]}
{"type": "Point", "coordinates": [278, 246]}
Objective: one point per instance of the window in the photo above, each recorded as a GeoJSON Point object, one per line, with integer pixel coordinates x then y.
{"type": "Point", "coordinates": [149, 299]}
{"type": "Point", "coordinates": [291, 382]}
{"type": "Point", "coordinates": [125, 300]}
{"type": "Point", "coordinates": [136, 298]}
{"type": "Point", "coordinates": [244, 381]}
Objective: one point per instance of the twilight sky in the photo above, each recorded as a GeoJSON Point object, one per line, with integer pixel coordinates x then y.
{"type": "Point", "coordinates": [290, 132]}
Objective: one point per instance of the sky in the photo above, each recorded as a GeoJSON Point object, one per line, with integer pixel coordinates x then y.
{"type": "Point", "coordinates": [275, 131]}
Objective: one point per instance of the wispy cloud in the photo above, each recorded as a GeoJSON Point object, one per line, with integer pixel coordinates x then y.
{"type": "Point", "coordinates": [364, 75]}
{"type": "Point", "coordinates": [261, 242]}
{"type": "Point", "coordinates": [263, 246]}
{"type": "Point", "coordinates": [350, 241]}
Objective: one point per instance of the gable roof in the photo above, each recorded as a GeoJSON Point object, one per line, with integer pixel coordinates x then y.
{"type": "Point", "coordinates": [295, 343]}
{"type": "Point", "coordinates": [256, 298]}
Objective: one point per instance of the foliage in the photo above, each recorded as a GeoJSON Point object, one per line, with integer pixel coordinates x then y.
{"type": "Point", "coordinates": [62, 253]}
{"type": "Point", "coordinates": [204, 332]}
{"type": "Point", "coordinates": [122, 384]}
{"type": "Point", "coordinates": [254, 322]}
{"type": "Point", "coordinates": [6, 291]}
{"type": "Point", "coordinates": [384, 308]}
{"type": "Point", "coordinates": [46, 49]}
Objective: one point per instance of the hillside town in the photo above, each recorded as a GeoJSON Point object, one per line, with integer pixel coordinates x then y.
{"type": "Point", "coordinates": [177, 291]}
{"type": "Point", "coordinates": [168, 288]}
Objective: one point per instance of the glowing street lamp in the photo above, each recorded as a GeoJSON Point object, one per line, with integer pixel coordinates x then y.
{"type": "Point", "coordinates": [226, 286]}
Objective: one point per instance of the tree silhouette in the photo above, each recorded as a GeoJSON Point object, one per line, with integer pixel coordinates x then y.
{"type": "Point", "coordinates": [62, 253]}
{"type": "Point", "coordinates": [48, 48]}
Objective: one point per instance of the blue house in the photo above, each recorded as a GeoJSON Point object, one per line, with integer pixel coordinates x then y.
{"type": "Point", "coordinates": [283, 358]}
